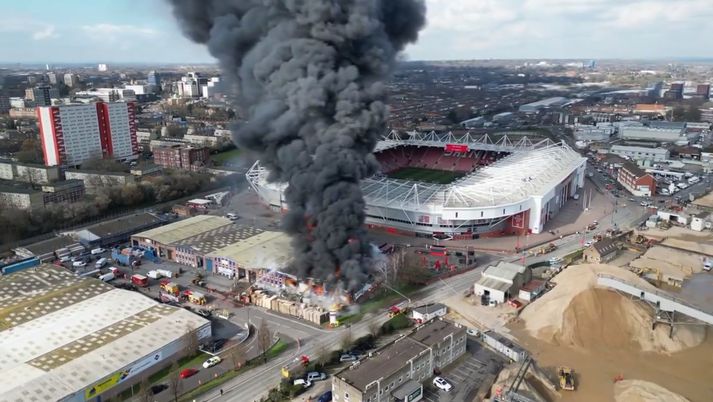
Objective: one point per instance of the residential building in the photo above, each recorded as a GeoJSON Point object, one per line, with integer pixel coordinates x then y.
{"type": "Point", "coordinates": [139, 89]}
{"type": "Point", "coordinates": [28, 173]}
{"type": "Point", "coordinates": [23, 113]}
{"type": "Point", "coordinates": [636, 181]}
{"type": "Point", "coordinates": [52, 78]}
{"type": "Point", "coordinates": [62, 192]}
{"type": "Point", "coordinates": [640, 153]}
{"type": "Point", "coordinates": [396, 371]}
{"type": "Point", "coordinates": [154, 79]}
{"type": "Point", "coordinates": [703, 91]}
{"type": "Point", "coordinates": [94, 180]}
{"type": "Point", "coordinates": [70, 80]}
{"type": "Point", "coordinates": [4, 104]}
{"type": "Point", "coordinates": [675, 91]}
{"type": "Point", "coordinates": [71, 134]}
{"type": "Point", "coordinates": [650, 109]}
{"type": "Point", "coordinates": [205, 140]}
{"type": "Point", "coordinates": [42, 95]}
{"type": "Point", "coordinates": [502, 282]}
{"type": "Point", "coordinates": [109, 94]}
{"type": "Point", "coordinates": [190, 85]}
{"type": "Point", "coordinates": [211, 88]}
{"type": "Point", "coordinates": [20, 197]}
{"type": "Point", "coordinates": [182, 157]}
{"type": "Point", "coordinates": [601, 251]}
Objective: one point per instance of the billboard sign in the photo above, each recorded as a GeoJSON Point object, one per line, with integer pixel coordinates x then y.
{"type": "Point", "coordinates": [456, 148]}
{"type": "Point", "coordinates": [120, 376]}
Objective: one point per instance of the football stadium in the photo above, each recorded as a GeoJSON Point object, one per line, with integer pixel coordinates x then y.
{"type": "Point", "coordinates": [460, 187]}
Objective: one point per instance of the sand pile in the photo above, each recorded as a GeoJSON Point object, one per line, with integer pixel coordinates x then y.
{"type": "Point", "coordinates": [535, 386]}
{"type": "Point", "coordinates": [644, 391]}
{"type": "Point", "coordinates": [670, 262]}
{"type": "Point", "coordinates": [576, 313]}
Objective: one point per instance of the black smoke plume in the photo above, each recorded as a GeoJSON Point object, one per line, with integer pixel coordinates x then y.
{"type": "Point", "coordinates": [310, 76]}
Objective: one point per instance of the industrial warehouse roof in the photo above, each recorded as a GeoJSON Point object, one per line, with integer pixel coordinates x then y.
{"type": "Point", "coordinates": [175, 232]}
{"type": "Point", "coordinates": [122, 225]}
{"type": "Point", "coordinates": [504, 271]}
{"type": "Point", "coordinates": [218, 238]}
{"type": "Point", "coordinates": [61, 334]}
{"type": "Point", "coordinates": [264, 250]}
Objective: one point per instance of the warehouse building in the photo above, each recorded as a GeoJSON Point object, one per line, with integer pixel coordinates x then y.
{"type": "Point", "coordinates": [163, 240]}
{"type": "Point", "coordinates": [117, 230]}
{"type": "Point", "coordinates": [641, 153]}
{"type": "Point", "coordinates": [535, 107]}
{"type": "Point", "coordinates": [654, 131]}
{"type": "Point", "coordinates": [70, 339]}
{"type": "Point", "coordinates": [502, 282]}
{"type": "Point", "coordinates": [397, 370]}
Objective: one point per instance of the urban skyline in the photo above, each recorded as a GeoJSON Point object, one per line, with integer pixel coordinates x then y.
{"type": "Point", "coordinates": [40, 31]}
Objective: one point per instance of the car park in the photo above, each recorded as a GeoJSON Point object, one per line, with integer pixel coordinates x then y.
{"type": "Point", "coordinates": [189, 372]}
{"type": "Point", "coordinates": [215, 360]}
{"type": "Point", "coordinates": [442, 384]}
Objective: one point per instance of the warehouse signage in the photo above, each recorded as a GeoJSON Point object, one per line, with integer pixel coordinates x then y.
{"type": "Point", "coordinates": [456, 148]}
{"type": "Point", "coordinates": [121, 375]}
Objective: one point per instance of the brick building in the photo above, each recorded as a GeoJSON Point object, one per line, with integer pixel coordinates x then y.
{"type": "Point", "coordinates": [182, 157]}
{"type": "Point", "coordinates": [636, 180]}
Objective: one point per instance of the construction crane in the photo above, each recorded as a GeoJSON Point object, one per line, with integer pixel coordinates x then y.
{"type": "Point", "coordinates": [511, 394]}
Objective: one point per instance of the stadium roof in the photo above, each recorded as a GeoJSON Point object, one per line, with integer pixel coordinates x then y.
{"type": "Point", "coordinates": [264, 250]}
{"type": "Point", "coordinates": [61, 334]}
{"type": "Point", "coordinates": [184, 229]}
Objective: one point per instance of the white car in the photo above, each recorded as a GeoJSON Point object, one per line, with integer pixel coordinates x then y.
{"type": "Point", "coordinates": [79, 264]}
{"type": "Point", "coordinates": [587, 243]}
{"type": "Point", "coordinates": [303, 382]}
{"type": "Point", "coordinates": [97, 251]}
{"type": "Point", "coordinates": [212, 362]}
{"type": "Point", "coordinates": [442, 384]}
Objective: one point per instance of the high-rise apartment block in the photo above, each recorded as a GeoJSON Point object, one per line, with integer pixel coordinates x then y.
{"type": "Point", "coordinates": [42, 95]}
{"type": "Point", "coordinates": [71, 134]}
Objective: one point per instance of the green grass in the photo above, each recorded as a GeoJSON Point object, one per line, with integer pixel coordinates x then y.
{"type": "Point", "coordinates": [426, 175]}
{"type": "Point", "coordinates": [276, 349]}
{"type": "Point", "coordinates": [227, 156]}
{"type": "Point", "coordinates": [184, 362]}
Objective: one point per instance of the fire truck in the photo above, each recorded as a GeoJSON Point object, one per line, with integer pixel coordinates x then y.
{"type": "Point", "coordinates": [194, 297]}
{"type": "Point", "coordinates": [169, 287]}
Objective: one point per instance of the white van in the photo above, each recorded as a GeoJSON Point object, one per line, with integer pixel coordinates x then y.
{"type": "Point", "coordinates": [166, 273]}
{"type": "Point", "coordinates": [100, 262]}
{"type": "Point", "coordinates": [98, 251]}
{"type": "Point", "coordinates": [153, 274]}
{"type": "Point", "coordinates": [107, 277]}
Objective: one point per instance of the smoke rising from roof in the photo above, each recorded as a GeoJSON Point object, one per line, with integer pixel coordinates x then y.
{"type": "Point", "coordinates": [310, 76]}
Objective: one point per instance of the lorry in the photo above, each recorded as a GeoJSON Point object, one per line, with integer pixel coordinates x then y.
{"type": "Point", "coordinates": [154, 274]}
{"type": "Point", "coordinates": [139, 280]}
{"type": "Point", "coordinates": [566, 376]}
{"type": "Point", "coordinates": [194, 297]}
{"type": "Point", "coordinates": [166, 273]}
{"type": "Point", "coordinates": [169, 287]}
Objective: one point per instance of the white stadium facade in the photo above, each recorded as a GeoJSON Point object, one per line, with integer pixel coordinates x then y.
{"type": "Point", "coordinates": [509, 184]}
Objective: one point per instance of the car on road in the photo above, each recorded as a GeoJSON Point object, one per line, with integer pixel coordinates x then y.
{"type": "Point", "coordinates": [79, 264]}
{"type": "Point", "coordinates": [158, 388]}
{"type": "Point", "coordinates": [212, 362]}
{"type": "Point", "coordinates": [325, 397]}
{"type": "Point", "coordinates": [316, 376]}
{"type": "Point", "coordinates": [189, 372]}
{"type": "Point", "coordinates": [347, 358]}
{"type": "Point", "coordinates": [442, 384]}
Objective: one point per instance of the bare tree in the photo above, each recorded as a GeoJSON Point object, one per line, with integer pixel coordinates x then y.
{"type": "Point", "coordinates": [237, 357]}
{"type": "Point", "coordinates": [174, 381]}
{"type": "Point", "coordinates": [346, 342]}
{"type": "Point", "coordinates": [190, 341]}
{"type": "Point", "coordinates": [374, 328]}
{"type": "Point", "coordinates": [145, 394]}
{"type": "Point", "coordinates": [264, 339]}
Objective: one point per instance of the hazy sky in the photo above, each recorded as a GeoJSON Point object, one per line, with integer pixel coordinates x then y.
{"type": "Point", "coordinates": [112, 31]}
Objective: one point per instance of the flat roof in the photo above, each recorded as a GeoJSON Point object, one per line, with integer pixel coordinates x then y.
{"type": "Point", "coordinates": [264, 250]}
{"type": "Point", "coordinates": [218, 238]}
{"type": "Point", "coordinates": [124, 224]}
{"type": "Point", "coordinates": [382, 364]}
{"type": "Point", "coordinates": [50, 245]}
{"type": "Point", "coordinates": [434, 332]}
{"type": "Point", "coordinates": [61, 334]}
{"type": "Point", "coordinates": [177, 231]}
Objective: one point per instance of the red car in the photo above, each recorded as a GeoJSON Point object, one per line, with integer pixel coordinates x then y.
{"type": "Point", "coordinates": [185, 373]}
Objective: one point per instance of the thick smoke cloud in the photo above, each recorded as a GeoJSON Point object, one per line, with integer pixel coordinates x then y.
{"type": "Point", "coordinates": [309, 74]}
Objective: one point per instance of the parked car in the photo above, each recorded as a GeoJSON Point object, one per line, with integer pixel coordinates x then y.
{"type": "Point", "coordinates": [325, 397]}
{"type": "Point", "coordinates": [98, 251]}
{"type": "Point", "coordinates": [158, 388]}
{"type": "Point", "coordinates": [442, 384]}
{"type": "Point", "coordinates": [315, 376]}
{"type": "Point", "coordinates": [79, 264]}
{"type": "Point", "coordinates": [302, 382]}
{"type": "Point", "coordinates": [347, 358]}
{"type": "Point", "coordinates": [185, 373]}
{"type": "Point", "coordinates": [205, 313]}
{"type": "Point", "coordinates": [212, 362]}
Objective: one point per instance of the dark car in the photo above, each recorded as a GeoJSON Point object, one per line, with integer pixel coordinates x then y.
{"type": "Point", "coordinates": [158, 388]}
{"type": "Point", "coordinates": [205, 313]}
{"type": "Point", "coordinates": [325, 397]}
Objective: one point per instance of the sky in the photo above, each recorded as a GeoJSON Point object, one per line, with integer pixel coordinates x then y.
{"type": "Point", "coordinates": [144, 31]}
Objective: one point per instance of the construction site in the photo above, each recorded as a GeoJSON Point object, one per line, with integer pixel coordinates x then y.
{"type": "Point", "coordinates": [629, 321]}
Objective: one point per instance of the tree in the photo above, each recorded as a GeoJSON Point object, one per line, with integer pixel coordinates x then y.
{"type": "Point", "coordinates": [30, 152]}
{"type": "Point", "coordinates": [190, 341]}
{"type": "Point", "coordinates": [104, 165]}
{"type": "Point", "coordinates": [145, 394]}
{"type": "Point", "coordinates": [264, 339]}
{"type": "Point", "coordinates": [237, 357]}
{"type": "Point", "coordinates": [374, 328]}
{"type": "Point", "coordinates": [693, 114]}
{"type": "Point", "coordinates": [678, 113]}
{"type": "Point", "coordinates": [323, 355]}
{"type": "Point", "coordinates": [347, 340]}
{"type": "Point", "coordinates": [174, 381]}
